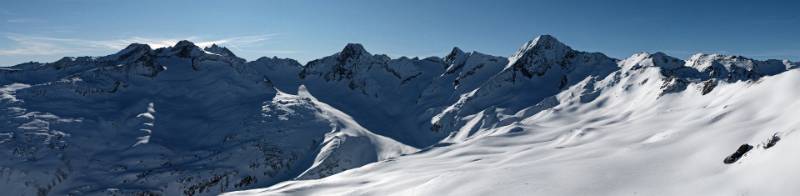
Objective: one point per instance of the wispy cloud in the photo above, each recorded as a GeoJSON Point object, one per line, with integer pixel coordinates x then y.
{"type": "Point", "coordinates": [43, 45]}
{"type": "Point", "coordinates": [242, 41]}
{"type": "Point", "coordinates": [24, 20]}
{"type": "Point", "coordinates": [32, 46]}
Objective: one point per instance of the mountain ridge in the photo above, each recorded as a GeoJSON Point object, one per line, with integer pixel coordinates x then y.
{"type": "Point", "coordinates": [223, 51]}
{"type": "Point", "coordinates": [184, 119]}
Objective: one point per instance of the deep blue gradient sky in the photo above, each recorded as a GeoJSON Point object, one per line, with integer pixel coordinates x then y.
{"type": "Point", "coordinates": [47, 30]}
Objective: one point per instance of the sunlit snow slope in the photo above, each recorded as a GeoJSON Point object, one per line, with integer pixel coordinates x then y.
{"type": "Point", "coordinates": [648, 125]}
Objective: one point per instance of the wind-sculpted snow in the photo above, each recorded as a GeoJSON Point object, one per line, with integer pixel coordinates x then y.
{"type": "Point", "coordinates": [548, 120]}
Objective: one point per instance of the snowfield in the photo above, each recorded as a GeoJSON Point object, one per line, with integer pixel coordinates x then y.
{"type": "Point", "coordinates": [627, 141]}
{"type": "Point", "coordinates": [548, 120]}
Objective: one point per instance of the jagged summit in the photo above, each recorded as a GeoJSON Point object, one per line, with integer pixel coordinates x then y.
{"type": "Point", "coordinates": [734, 68]}
{"type": "Point", "coordinates": [466, 65]}
{"type": "Point", "coordinates": [546, 47]}
{"type": "Point", "coordinates": [454, 52]}
{"type": "Point", "coordinates": [185, 49]}
{"type": "Point", "coordinates": [541, 43]}
{"type": "Point", "coordinates": [545, 52]}
{"type": "Point", "coordinates": [455, 55]}
{"type": "Point", "coordinates": [455, 60]}
{"type": "Point", "coordinates": [353, 60]}
{"type": "Point", "coordinates": [276, 59]}
{"type": "Point", "coordinates": [352, 51]}
{"type": "Point", "coordinates": [216, 49]}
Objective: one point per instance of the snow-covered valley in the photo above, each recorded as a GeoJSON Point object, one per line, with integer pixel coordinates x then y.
{"type": "Point", "coordinates": [548, 120]}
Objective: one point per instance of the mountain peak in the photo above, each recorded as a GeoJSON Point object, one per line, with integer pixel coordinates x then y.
{"type": "Point", "coordinates": [646, 59]}
{"type": "Point", "coordinates": [352, 50]}
{"type": "Point", "coordinates": [132, 52]}
{"type": "Point", "coordinates": [547, 42]}
{"type": "Point", "coordinates": [535, 57]}
{"type": "Point", "coordinates": [456, 51]}
{"type": "Point", "coordinates": [546, 47]}
{"type": "Point", "coordinates": [216, 49]}
{"type": "Point", "coordinates": [185, 49]}
{"type": "Point", "coordinates": [184, 43]}
{"type": "Point", "coordinates": [137, 46]}
{"type": "Point", "coordinates": [546, 38]}
{"type": "Point", "coordinates": [454, 55]}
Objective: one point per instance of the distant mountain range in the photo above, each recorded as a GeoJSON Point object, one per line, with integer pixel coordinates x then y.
{"type": "Point", "coordinates": [548, 120]}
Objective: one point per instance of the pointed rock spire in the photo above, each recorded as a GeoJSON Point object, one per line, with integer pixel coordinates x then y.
{"type": "Point", "coordinates": [352, 51]}
{"type": "Point", "coordinates": [544, 46]}
{"type": "Point", "coordinates": [455, 60]}
{"type": "Point", "coordinates": [216, 49]}
{"type": "Point", "coordinates": [539, 55]}
{"type": "Point", "coordinates": [454, 55]}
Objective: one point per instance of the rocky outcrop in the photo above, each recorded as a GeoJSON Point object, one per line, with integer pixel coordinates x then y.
{"type": "Point", "coordinates": [740, 152]}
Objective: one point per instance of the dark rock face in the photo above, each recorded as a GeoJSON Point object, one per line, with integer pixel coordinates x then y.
{"type": "Point", "coordinates": [537, 56]}
{"type": "Point", "coordinates": [347, 63]}
{"type": "Point", "coordinates": [674, 84]}
{"type": "Point", "coordinates": [772, 141]}
{"type": "Point", "coordinates": [455, 60]}
{"type": "Point", "coordinates": [708, 86]}
{"type": "Point", "coordinates": [454, 55]}
{"type": "Point", "coordinates": [186, 49]}
{"type": "Point", "coordinates": [351, 51]}
{"type": "Point", "coordinates": [133, 52]}
{"type": "Point", "coordinates": [743, 149]}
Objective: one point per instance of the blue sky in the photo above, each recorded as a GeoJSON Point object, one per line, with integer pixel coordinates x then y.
{"type": "Point", "coordinates": [34, 30]}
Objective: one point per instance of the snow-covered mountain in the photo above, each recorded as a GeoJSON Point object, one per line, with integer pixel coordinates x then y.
{"type": "Point", "coordinates": [548, 120]}
{"type": "Point", "coordinates": [179, 120]}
